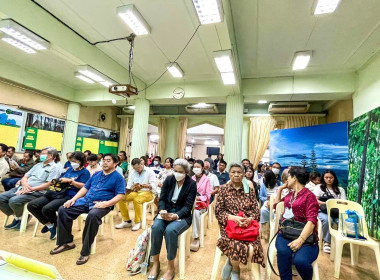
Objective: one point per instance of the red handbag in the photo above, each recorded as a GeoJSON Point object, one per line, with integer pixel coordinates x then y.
{"type": "Point", "coordinates": [249, 233]}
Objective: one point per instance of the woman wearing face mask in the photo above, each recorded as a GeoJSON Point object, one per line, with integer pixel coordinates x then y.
{"type": "Point", "coordinates": [300, 204]}
{"type": "Point", "coordinates": [44, 208]}
{"type": "Point", "coordinates": [268, 188]}
{"type": "Point", "coordinates": [328, 189]}
{"type": "Point", "coordinates": [175, 205]}
{"type": "Point", "coordinates": [204, 190]}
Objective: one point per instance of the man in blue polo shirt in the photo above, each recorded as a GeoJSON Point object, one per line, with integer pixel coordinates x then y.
{"type": "Point", "coordinates": [97, 198]}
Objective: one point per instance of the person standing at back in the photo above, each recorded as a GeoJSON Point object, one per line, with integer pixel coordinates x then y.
{"type": "Point", "coordinates": [211, 161]}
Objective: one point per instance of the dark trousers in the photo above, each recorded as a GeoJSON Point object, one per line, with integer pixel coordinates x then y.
{"type": "Point", "coordinates": [44, 208]}
{"type": "Point", "coordinates": [93, 221]}
{"type": "Point", "coordinates": [302, 259]}
{"type": "Point", "coordinates": [171, 231]}
{"type": "Point", "coordinates": [9, 183]}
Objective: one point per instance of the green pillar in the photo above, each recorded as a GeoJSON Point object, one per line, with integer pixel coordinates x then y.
{"type": "Point", "coordinates": [71, 127]}
{"type": "Point", "coordinates": [171, 137]}
{"type": "Point", "coordinates": [244, 139]}
{"type": "Point", "coordinates": [234, 128]}
{"type": "Point", "coordinates": [140, 128]}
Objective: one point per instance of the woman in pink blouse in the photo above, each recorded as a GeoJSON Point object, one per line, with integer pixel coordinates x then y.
{"type": "Point", "coordinates": [204, 190]}
{"type": "Point", "coordinates": [300, 204]}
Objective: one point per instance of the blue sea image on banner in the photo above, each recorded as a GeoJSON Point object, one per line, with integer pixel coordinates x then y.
{"type": "Point", "coordinates": [317, 148]}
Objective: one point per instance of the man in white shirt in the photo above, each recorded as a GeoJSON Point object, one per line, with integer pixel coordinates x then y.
{"type": "Point", "coordinates": [213, 178]}
{"type": "Point", "coordinates": [4, 166]}
{"type": "Point", "coordinates": [140, 188]}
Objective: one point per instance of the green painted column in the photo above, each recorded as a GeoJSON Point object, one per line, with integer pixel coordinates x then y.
{"type": "Point", "coordinates": [140, 128]}
{"type": "Point", "coordinates": [171, 137]}
{"type": "Point", "coordinates": [234, 128]}
{"type": "Point", "coordinates": [244, 139]}
{"type": "Point", "coordinates": [71, 127]}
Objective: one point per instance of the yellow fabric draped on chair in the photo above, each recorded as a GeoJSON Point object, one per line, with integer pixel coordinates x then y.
{"type": "Point", "coordinates": [300, 121]}
{"type": "Point", "coordinates": [161, 136]}
{"type": "Point", "coordinates": [181, 136]}
{"type": "Point", "coordinates": [259, 137]}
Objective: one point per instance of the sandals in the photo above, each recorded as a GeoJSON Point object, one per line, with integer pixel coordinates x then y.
{"type": "Point", "coordinates": [326, 248]}
{"type": "Point", "coordinates": [82, 260]}
{"type": "Point", "coordinates": [156, 276]}
{"type": "Point", "coordinates": [65, 247]}
{"type": "Point", "coordinates": [162, 278]}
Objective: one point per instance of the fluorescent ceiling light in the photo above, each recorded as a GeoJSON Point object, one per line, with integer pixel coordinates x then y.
{"type": "Point", "coordinates": [262, 101]}
{"type": "Point", "coordinates": [301, 60]}
{"type": "Point", "coordinates": [17, 44]}
{"type": "Point", "coordinates": [23, 34]}
{"type": "Point", "coordinates": [96, 76]}
{"type": "Point", "coordinates": [175, 70]}
{"type": "Point", "coordinates": [84, 78]}
{"type": "Point", "coordinates": [228, 78]}
{"type": "Point", "coordinates": [134, 19]}
{"type": "Point", "coordinates": [326, 6]}
{"type": "Point", "coordinates": [208, 11]}
{"type": "Point", "coordinates": [203, 105]}
{"type": "Point", "coordinates": [223, 60]}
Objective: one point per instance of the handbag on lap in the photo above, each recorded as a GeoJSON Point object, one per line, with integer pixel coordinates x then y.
{"type": "Point", "coordinates": [249, 233]}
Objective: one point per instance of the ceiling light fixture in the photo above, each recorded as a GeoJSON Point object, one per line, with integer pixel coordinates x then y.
{"type": "Point", "coordinates": [325, 6]}
{"type": "Point", "coordinates": [224, 62]}
{"type": "Point", "coordinates": [134, 19]}
{"type": "Point", "coordinates": [84, 78]}
{"type": "Point", "coordinates": [262, 102]}
{"type": "Point", "coordinates": [17, 44]}
{"type": "Point", "coordinates": [174, 69]}
{"type": "Point", "coordinates": [301, 60]}
{"type": "Point", "coordinates": [22, 34]}
{"type": "Point", "coordinates": [208, 11]}
{"type": "Point", "coordinates": [94, 75]}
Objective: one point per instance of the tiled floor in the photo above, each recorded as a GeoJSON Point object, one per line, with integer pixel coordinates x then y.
{"type": "Point", "coordinates": [109, 261]}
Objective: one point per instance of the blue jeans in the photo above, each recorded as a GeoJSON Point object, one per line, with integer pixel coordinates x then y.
{"type": "Point", "coordinates": [264, 214]}
{"type": "Point", "coordinates": [325, 226]}
{"type": "Point", "coordinates": [9, 183]}
{"type": "Point", "coordinates": [171, 231]}
{"type": "Point", "coordinates": [302, 259]}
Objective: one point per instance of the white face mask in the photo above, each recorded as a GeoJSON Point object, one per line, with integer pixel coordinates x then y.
{"type": "Point", "coordinates": [75, 165]}
{"type": "Point", "coordinates": [276, 171]}
{"type": "Point", "coordinates": [179, 176]}
{"type": "Point", "coordinates": [197, 171]}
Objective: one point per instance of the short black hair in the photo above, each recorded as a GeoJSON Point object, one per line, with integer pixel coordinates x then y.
{"type": "Point", "coordinates": [300, 173]}
{"type": "Point", "coordinates": [200, 162]}
{"type": "Point", "coordinates": [209, 155]}
{"type": "Point", "coordinates": [100, 154]}
{"type": "Point", "coordinates": [12, 148]}
{"type": "Point", "coordinates": [4, 147]}
{"type": "Point", "coordinates": [124, 153]}
{"type": "Point", "coordinates": [92, 157]}
{"type": "Point", "coordinates": [170, 160]}
{"type": "Point", "coordinates": [314, 175]}
{"type": "Point", "coordinates": [222, 161]}
{"type": "Point", "coordinates": [246, 160]}
{"type": "Point", "coordinates": [259, 166]}
{"type": "Point", "coordinates": [190, 159]}
{"type": "Point", "coordinates": [136, 161]}
{"type": "Point", "coordinates": [112, 156]}
{"type": "Point", "coordinates": [29, 152]}
{"type": "Point", "coordinates": [158, 157]}
{"type": "Point", "coordinates": [88, 152]}
{"type": "Point", "coordinates": [276, 162]}
{"type": "Point", "coordinates": [269, 179]}
{"type": "Point", "coordinates": [37, 151]}
{"type": "Point", "coordinates": [79, 156]}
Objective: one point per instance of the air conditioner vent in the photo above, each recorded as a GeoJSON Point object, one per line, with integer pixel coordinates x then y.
{"type": "Point", "coordinates": [288, 107]}
{"type": "Point", "coordinates": [202, 109]}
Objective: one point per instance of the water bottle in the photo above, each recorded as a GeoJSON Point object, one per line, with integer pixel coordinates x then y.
{"type": "Point", "coordinates": [144, 268]}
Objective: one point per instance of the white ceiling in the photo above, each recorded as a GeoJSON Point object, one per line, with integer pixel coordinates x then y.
{"type": "Point", "coordinates": [267, 33]}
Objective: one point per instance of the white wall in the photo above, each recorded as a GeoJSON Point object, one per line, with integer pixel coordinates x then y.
{"type": "Point", "coordinates": [199, 151]}
{"type": "Point", "coordinates": [367, 95]}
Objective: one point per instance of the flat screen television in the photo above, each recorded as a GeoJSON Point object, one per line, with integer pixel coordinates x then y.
{"type": "Point", "coordinates": [214, 151]}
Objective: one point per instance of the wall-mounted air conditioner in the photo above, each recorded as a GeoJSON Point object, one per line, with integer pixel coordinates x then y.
{"type": "Point", "coordinates": [288, 107]}
{"type": "Point", "coordinates": [202, 108]}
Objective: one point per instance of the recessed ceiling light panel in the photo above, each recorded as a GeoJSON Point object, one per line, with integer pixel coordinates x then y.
{"type": "Point", "coordinates": [24, 35]}
{"type": "Point", "coordinates": [301, 60]}
{"type": "Point", "coordinates": [84, 78]}
{"type": "Point", "coordinates": [17, 44]}
{"type": "Point", "coordinates": [174, 69]}
{"type": "Point", "coordinates": [134, 19]}
{"type": "Point", "coordinates": [208, 11]}
{"type": "Point", "coordinates": [325, 6]}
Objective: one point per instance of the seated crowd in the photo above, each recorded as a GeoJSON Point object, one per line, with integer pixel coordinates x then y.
{"type": "Point", "coordinates": [183, 190]}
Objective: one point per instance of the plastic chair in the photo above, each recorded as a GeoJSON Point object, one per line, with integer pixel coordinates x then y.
{"type": "Point", "coordinates": [108, 217]}
{"type": "Point", "coordinates": [184, 250]}
{"type": "Point", "coordinates": [145, 212]}
{"type": "Point", "coordinates": [320, 235]}
{"type": "Point", "coordinates": [211, 213]}
{"type": "Point", "coordinates": [338, 240]}
{"type": "Point", "coordinates": [218, 255]}
{"type": "Point", "coordinates": [272, 217]}
{"type": "Point", "coordinates": [24, 219]}
{"type": "Point", "coordinates": [204, 225]}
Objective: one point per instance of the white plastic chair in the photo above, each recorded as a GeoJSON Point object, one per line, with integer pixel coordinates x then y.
{"type": "Point", "coordinates": [272, 218]}
{"type": "Point", "coordinates": [184, 250]}
{"type": "Point", "coordinates": [202, 233]}
{"type": "Point", "coordinates": [145, 212]}
{"type": "Point", "coordinates": [106, 218]}
{"type": "Point", "coordinates": [24, 219]}
{"type": "Point", "coordinates": [211, 209]}
{"type": "Point", "coordinates": [320, 235]}
{"type": "Point", "coordinates": [338, 240]}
